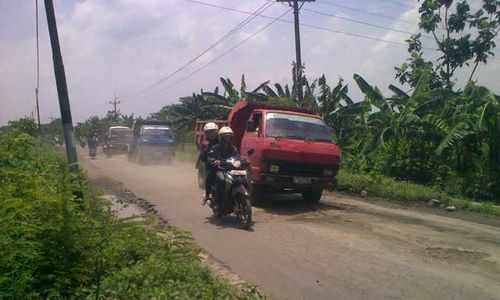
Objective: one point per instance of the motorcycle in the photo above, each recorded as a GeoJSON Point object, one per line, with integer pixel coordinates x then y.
{"type": "Point", "coordinates": [235, 197]}
{"type": "Point", "coordinates": [107, 149]}
{"type": "Point", "coordinates": [92, 152]}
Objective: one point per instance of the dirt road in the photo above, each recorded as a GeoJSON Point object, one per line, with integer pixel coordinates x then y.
{"type": "Point", "coordinates": [342, 249]}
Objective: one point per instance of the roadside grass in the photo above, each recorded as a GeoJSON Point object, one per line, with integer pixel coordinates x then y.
{"type": "Point", "coordinates": [55, 245]}
{"type": "Point", "coordinates": [407, 192]}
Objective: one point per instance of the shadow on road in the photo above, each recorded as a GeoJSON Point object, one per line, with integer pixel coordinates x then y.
{"type": "Point", "coordinates": [225, 222]}
{"type": "Point", "coordinates": [292, 204]}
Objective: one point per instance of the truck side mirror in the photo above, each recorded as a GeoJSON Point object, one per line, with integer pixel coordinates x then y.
{"type": "Point", "coordinates": [251, 126]}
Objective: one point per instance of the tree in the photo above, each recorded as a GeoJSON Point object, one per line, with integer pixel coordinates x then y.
{"type": "Point", "coordinates": [24, 125]}
{"type": "Point", "coordinates": [462, 38]}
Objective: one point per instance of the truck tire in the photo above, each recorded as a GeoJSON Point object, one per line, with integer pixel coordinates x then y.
{"type": "Point", "coordinates": [312, 196]}
{"type": "Point", "coordinates": [254, 190]}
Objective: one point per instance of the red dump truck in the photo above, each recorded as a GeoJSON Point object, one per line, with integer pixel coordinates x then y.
{"type": "Point", "coordinates": [290, 150]}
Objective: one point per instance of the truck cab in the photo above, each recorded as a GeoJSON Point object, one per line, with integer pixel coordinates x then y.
{"type": "Point", "coordinates": [290, 150]}
{"type": "Point", "coordinates": [152, 141]}
{"type": "Point", "coordinates": [119, 138]}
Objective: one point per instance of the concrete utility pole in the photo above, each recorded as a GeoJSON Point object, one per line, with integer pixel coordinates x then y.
{"type": "Point", "coordinates": [37, 90]}
{"type": "Point", "coordinates": [298, 52]}
{"type": "Point", "coordinates": [115, 103]}
{"type": "Point", "coordinates": [62, 88]}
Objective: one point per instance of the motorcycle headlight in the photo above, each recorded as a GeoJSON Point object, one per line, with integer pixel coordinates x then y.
{"type": "Point", "coordinates": [328, 172]}
{"type": "Point", "coordinates": [274, 168]}
{"type": "Point", "coordinates": [236, 163]}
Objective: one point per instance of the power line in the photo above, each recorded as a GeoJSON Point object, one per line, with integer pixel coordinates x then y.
{"type": "Point", "coordinates": [365, 12]}
{"type": "Point", "coordinates": [302, 24]}
{"type": "Point", "coordinates": [312, 26]}
{"type": "Point", "coordinates": [361, 22]}
{"type": "Point", "coordinates": [247, 20]}
{"type": "Point", "coordinates": [221, 55]}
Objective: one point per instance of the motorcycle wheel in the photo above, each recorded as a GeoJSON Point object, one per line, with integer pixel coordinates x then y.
{"type": "Point", "coordinates": [245, 214]}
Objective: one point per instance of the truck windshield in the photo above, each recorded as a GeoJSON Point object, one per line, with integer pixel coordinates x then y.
{"type": "Point", "coordinates": [156, 131]}
{"type": "Point", "coordinates": [296, 126]}
{"type": "Point", "coordinates": [119, 132]}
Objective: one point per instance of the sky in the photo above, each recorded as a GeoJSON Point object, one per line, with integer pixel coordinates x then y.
{"type": "Point", "coordinates": [128, 47]}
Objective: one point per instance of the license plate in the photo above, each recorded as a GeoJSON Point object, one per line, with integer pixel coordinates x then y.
{"type": "Point", "coordinates": [238, 172]}
{"type": "Point", "coordinates": [302, 180]}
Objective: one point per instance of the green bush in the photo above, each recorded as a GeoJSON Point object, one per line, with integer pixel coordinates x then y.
{"type": "Point", "coordinates": [385, 187]}
{"type": "Point", "coordinates": [53, 245]}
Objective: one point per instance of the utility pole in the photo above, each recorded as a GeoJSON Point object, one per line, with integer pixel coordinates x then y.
{"type": "Point", "coordinates": [37, 72]}
{"type": "Point", "coordinates": [298, 53]}
{"type": "Point", "coordinates": [62, 88]}
{"type": "Point", "coordinates": [115, 103]}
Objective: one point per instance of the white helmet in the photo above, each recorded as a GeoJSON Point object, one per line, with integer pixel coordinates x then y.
{"type": "Point", "coordinates": [226, 130]}
{"type": "Point", "coordinates": [210, 126]}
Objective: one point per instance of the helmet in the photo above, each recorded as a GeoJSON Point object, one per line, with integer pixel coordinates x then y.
{"type": "Point", "coordinates": [210, 126]}
{"type": "Point", "coordinates": [226, 130]}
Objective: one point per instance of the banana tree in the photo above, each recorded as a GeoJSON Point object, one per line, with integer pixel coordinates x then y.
{"type": "Point", "coordinates": [232, 95]}
{"type": "Point", "coordinates": [469, 127]}
{"type": "Point", "coordinates": [393, 122]}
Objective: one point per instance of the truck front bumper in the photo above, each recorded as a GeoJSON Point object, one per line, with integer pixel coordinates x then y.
{"type": "Point", "coordinates": [119, 148]}
{"type": "Point", "coordinates": [156, 151]}
{"type": "Point", "coordinates": [276, 182]}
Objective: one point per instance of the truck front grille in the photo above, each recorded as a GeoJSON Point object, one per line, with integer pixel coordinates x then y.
{"type": "Point", "coordinates": [299, 169]}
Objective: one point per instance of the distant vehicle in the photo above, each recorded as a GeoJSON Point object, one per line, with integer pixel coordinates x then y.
{"type": "Point", "coordinates": [107, 148]}
{"type": "Point", "coordinates": [92, 143]}
{"type": "Point", "coordinates": [152, 141]}
{"type": "Point", "coordinates": [92, 152]}
{"type": "Point", "coordinates": [290, 150]}
{"type": "Point", "coordinates": [118, 140]}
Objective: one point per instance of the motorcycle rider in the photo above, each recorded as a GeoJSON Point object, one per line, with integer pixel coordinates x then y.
{"type": "Point", "coordinates": [218, 154]}
{"type": "Point", "coordinates": [106, 145]}
{"type": "Point", "coordinates": [92, 142]}
{"type": "Point", "coordinates": [210, 129]}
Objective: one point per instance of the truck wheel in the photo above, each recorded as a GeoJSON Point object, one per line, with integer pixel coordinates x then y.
{"type": "Point", "coordinates": [313, 195]}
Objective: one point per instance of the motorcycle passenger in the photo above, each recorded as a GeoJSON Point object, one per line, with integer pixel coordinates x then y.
{"type": "Point", "coordinates": [210, 129]}
{"type": "Point", "coordinates": [218, 154]}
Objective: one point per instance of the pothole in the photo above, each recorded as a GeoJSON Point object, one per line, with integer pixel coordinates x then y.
{"type": "Point", "coordinates": [454, 255]}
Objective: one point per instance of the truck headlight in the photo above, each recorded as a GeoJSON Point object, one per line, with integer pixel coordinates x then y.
{"type": "Point", "coordinates": [328, 172]}
{"type": "Point", "coordinates": [236, 163]}
{"type": "Point", "coordinates": [274, 168]}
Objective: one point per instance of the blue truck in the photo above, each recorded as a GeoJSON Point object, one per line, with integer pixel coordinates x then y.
{"type": "Point", "coordinates": [153, 141]}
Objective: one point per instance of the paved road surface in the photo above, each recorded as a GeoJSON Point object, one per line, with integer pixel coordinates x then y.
{"type": "Point", "coordinates": [342, 249]}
